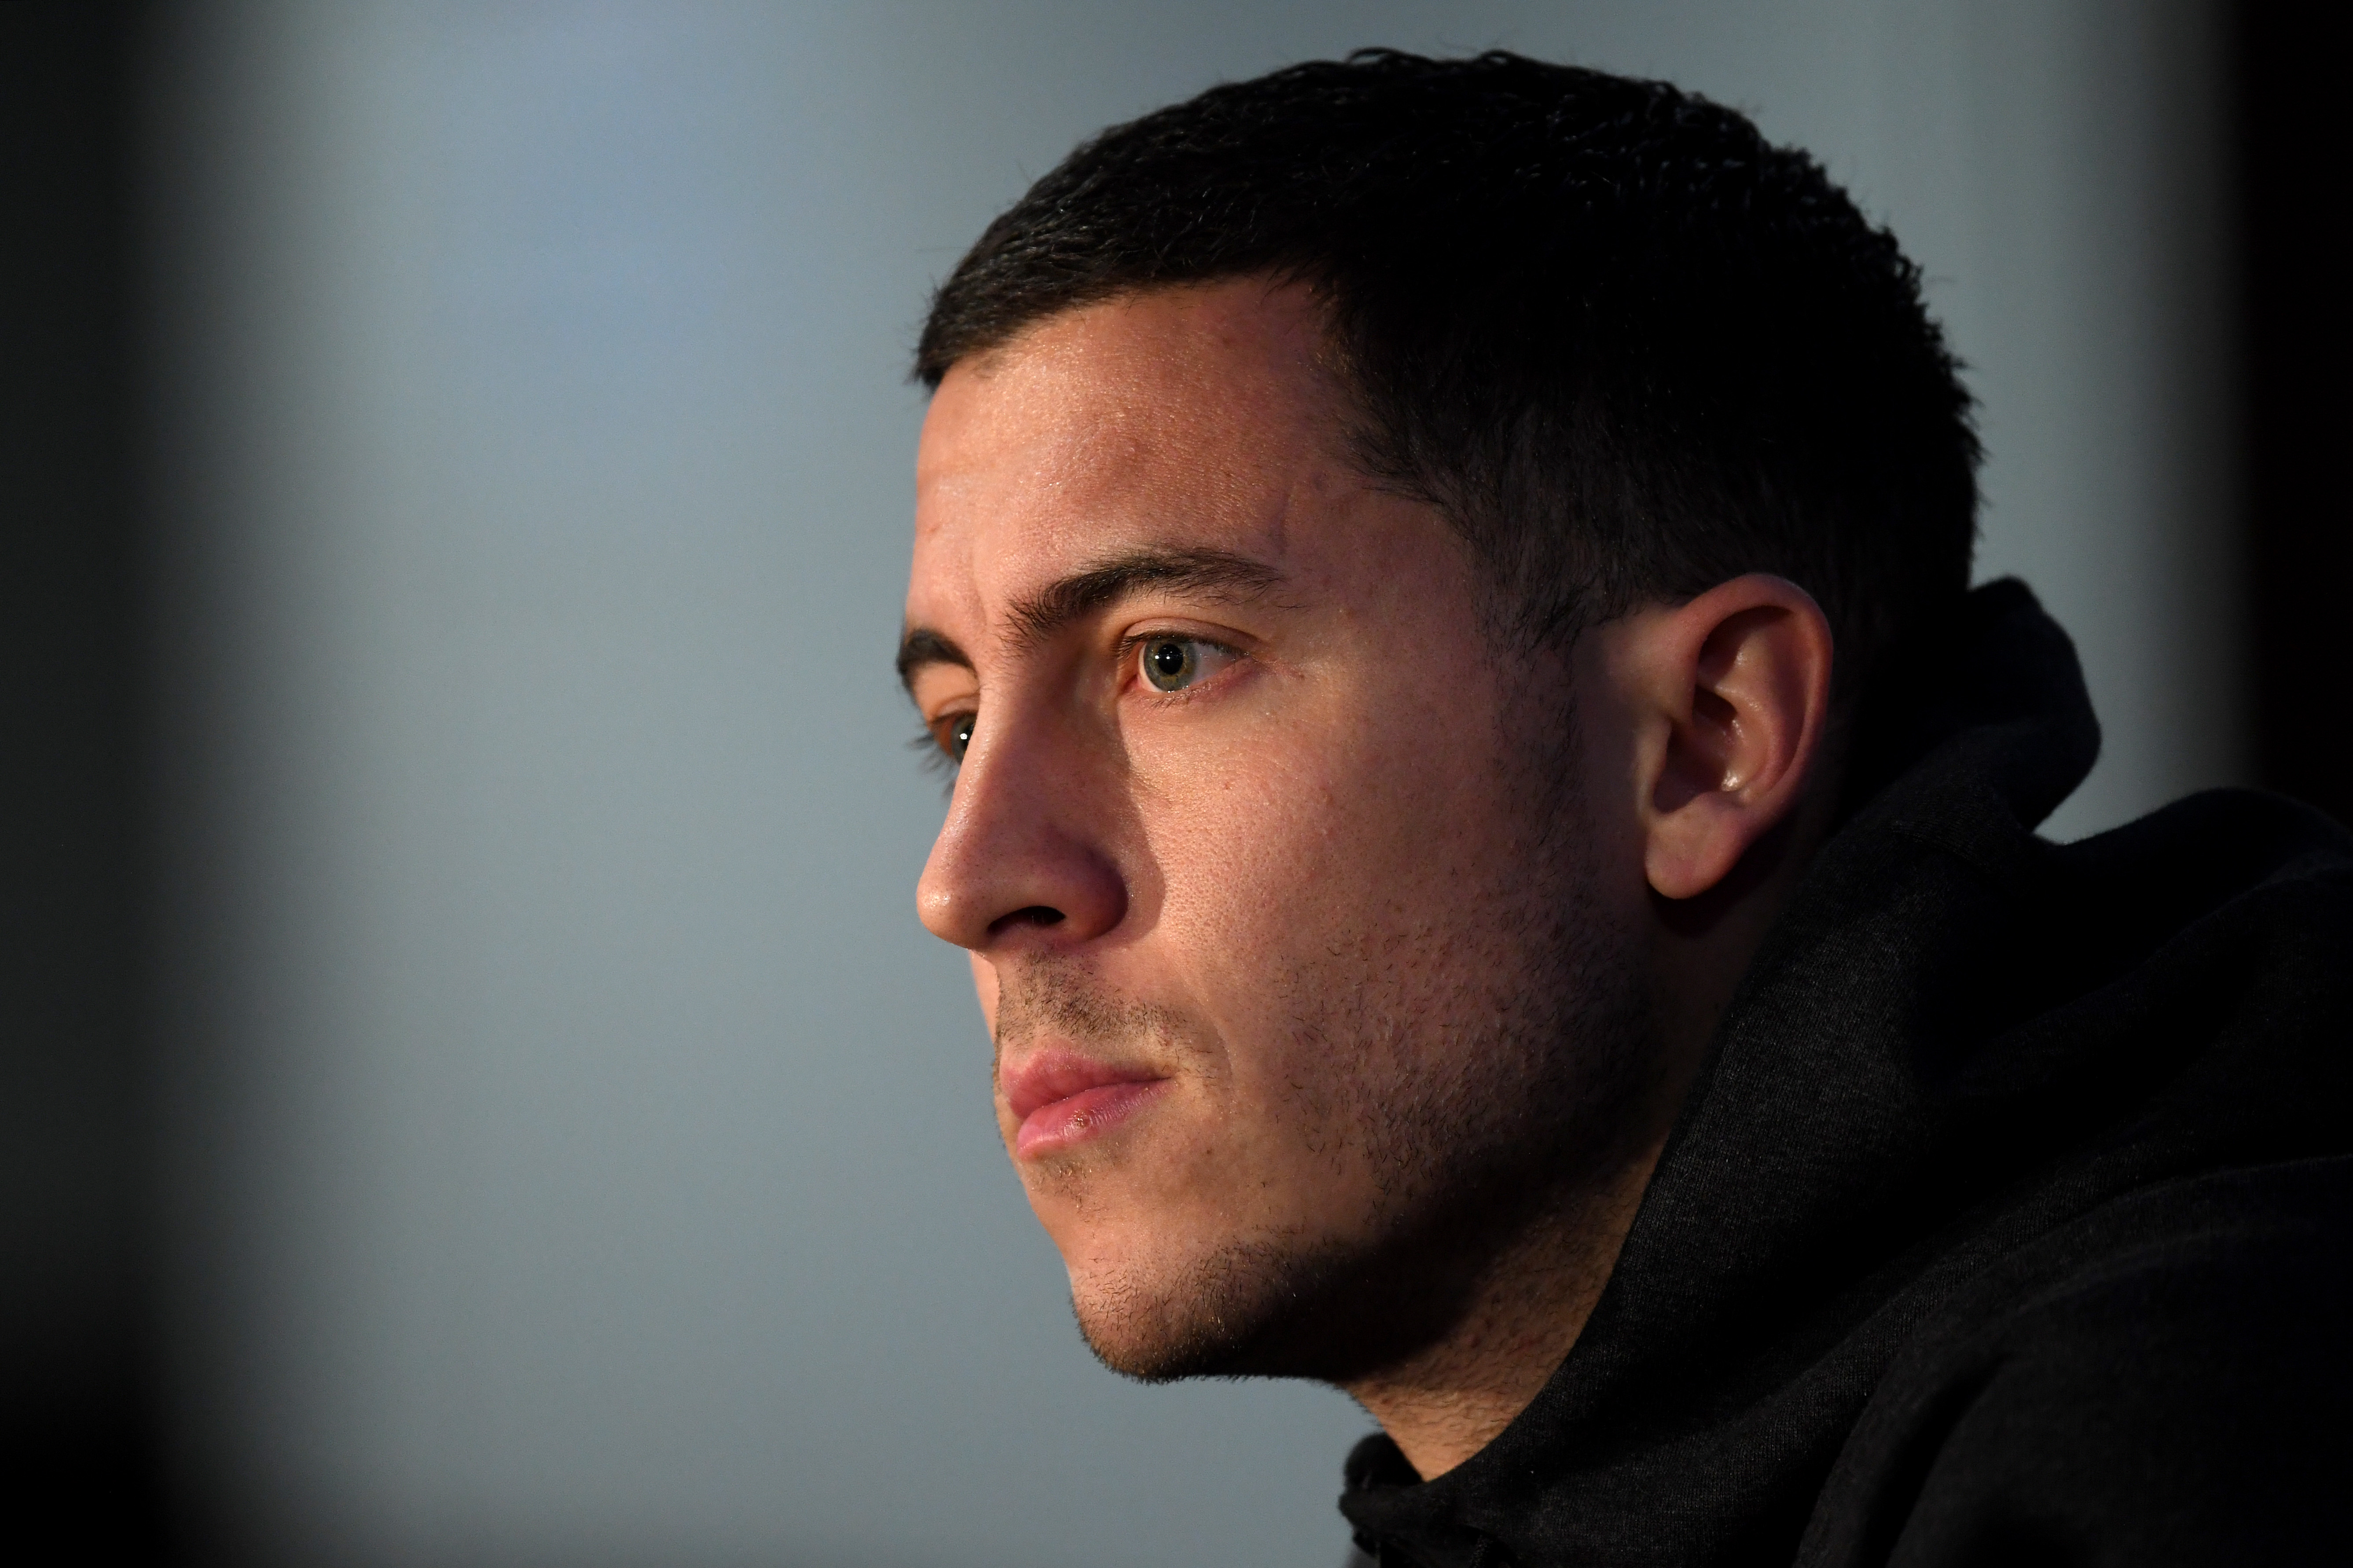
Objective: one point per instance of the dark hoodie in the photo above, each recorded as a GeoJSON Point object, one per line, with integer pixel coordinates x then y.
{"type": "Point", "coordinates": [2009, 1222]}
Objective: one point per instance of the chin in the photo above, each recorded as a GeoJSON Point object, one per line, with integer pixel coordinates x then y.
{"type": "Point", "coordinates": [1265, 1307]}
{"type": "Point", "coordinates": [1203, 1318]}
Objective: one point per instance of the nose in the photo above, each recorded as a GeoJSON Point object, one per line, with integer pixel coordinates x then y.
{"type": "Point", "coordinates": [1022, 858]}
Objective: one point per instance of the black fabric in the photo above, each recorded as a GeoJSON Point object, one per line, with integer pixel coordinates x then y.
{"type": "Point", "coordinates": [2010, 1222]}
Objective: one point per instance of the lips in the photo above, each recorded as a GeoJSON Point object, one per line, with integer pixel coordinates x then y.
{"type": "Point", "coordinates": [1059, 1098]}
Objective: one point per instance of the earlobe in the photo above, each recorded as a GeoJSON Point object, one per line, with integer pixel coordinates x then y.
{"type": "Point", "coordinates": [1742, 682]}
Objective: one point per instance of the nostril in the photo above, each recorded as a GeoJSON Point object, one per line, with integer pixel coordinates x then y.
{"type": "Point", "coordinates": [1035, 915]}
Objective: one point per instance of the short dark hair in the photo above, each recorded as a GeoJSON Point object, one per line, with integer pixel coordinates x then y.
{"type": "Point", "coordinates": [1629, 347]}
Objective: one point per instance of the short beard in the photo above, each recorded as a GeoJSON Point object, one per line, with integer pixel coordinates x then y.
{"type": "Point", "coordinates": [1502, 1111]}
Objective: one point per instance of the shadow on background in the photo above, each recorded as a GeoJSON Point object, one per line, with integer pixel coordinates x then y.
{"type": "Point", "coordinates": [80, 1362]}
{"type": "Point", "coordinates": [2296, 395]}
{"type": "Point", "coordinates": [77, 1439]}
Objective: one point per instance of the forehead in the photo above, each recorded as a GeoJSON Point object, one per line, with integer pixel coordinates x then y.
{"type": "Point", "coordinates": [1192, 417]}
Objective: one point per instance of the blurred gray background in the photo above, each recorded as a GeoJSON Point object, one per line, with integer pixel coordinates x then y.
{"type": "Point", "coordinates": [571, 1149]}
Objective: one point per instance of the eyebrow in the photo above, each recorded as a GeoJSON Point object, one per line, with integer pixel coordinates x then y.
{"type": "Point", "coordinates": [922, 647]}
{"type": "Point", "coordinates": [1038, 616]}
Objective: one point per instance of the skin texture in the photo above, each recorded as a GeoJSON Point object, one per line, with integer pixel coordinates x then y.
{"type": "Point", "coordinates": [1405, 950]}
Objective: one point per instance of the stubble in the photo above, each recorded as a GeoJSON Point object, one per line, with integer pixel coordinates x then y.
{"type": "Point", "coordinates": [1483, 1068]}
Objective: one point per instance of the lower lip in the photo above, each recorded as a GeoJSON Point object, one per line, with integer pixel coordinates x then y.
{"type": "Point", "coordinates": [1075, 1118]}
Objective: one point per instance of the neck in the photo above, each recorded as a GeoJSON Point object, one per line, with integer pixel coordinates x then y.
{"type": "Point", "coordinates": [1449, 1401]}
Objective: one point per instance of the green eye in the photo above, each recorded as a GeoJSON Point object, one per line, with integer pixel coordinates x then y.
{"type": "Point", "coordinates": [1171, 664]}
{"type": "Point", "coordinates": [952, 734]}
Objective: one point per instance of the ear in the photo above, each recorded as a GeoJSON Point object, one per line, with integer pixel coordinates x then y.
{"type": "Point", "coordinates": [1732, 696]}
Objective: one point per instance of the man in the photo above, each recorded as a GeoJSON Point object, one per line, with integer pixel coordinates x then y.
{"type": "Point", "coordinates": [1497, 850]}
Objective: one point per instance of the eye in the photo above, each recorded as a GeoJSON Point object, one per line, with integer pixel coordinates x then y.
{"type": "Point", "coordinates": [1174, 663]}
{"type": "Point", "coordinates": [952, 733]}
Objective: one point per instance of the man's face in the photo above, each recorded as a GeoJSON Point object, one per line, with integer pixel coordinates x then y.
{"type": "Point", "coordinates": [1289, 923]}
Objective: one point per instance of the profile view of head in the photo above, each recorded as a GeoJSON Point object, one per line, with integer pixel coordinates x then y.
{"type": "Point", "coordinates": [1395, 541]}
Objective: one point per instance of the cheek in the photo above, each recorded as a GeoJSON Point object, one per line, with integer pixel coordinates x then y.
{"type": "Point", "coordinates": [1302, 870]}
{"type": "Point", "coordinates": [1247, 859]}
{"type": "Point", "coordinates": [1361, 818]}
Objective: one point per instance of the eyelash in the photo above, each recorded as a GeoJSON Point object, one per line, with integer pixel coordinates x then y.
{"type": "Point", "coordinates": [937, 759]}
{"type": "Point", "coordinates": [1132, 644]}
{"type": "Point", "coordinates": [926, 747]}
